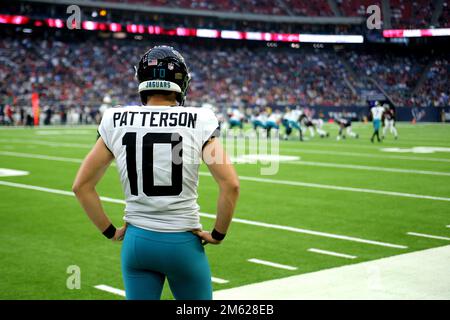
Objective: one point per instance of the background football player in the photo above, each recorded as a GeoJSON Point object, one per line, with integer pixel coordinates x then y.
{"type": "Point", "coordinates": [389, 122]}
{"type": "Point", "coordinates": [377, 113]}
{"type": "Point", "coordinates": [345, 124]}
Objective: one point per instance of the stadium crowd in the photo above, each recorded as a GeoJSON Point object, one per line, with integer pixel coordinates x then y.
{"type": "Point", "coordinates": [75, 74]}
{"type": "Point", "coordinates": [404, 13]}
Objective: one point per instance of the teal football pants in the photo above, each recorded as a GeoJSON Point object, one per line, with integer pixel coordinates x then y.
{"type": "Point", "coordinates": [148, 257]}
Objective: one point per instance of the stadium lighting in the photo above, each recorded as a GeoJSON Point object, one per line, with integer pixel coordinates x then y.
{"type": "Point", "coordinates": [415, 33]}
{"type": "Point", "coordinates": [191, 32]}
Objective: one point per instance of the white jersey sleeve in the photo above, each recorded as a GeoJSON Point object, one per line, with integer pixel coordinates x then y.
{"type": "Point", "coordinates": [158, 152]}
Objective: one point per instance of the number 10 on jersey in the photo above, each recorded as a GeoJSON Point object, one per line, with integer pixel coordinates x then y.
{"type": "Point", "coordinates": [148, 142]}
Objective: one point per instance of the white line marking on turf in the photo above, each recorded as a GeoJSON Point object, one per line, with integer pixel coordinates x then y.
{"type": "Point", "coordinates": [218, 280]}
{"type": "Point", "coordinates": [12, 173]}
{"type": "Point", "coordinates": [369, 168]}
{"type": "Point", "coordinates": [208, 215]}
{"type": "Point", "coordinates": [272, 264]}
{"type": "Point", "coordinates": [264, 180]}
{"type": "Point", "coordinates": [39, 156]}
{"type": "Point", "coordinates": [427, 236]}
{"type": "Point", "coordinates": [50, 144]}
{"type": "Point", "coordinates": [310, 151]}
{"type": "Point", "coordinates": [339, 188]}
{"type": "Point", "coordinates": [366, 155]}
{"type": "Point", "coordinates": [306, 231]}
{"type": "Point", "coordinates": [331, 253]}
{"type": "Point", "coordinates": [109, 289]}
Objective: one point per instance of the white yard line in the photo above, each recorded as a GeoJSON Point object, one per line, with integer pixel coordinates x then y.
{"type": "Point", "coordinates": [211, 216]}
{"type": "Point", "coordinates": [109, 289]}
{"type": "Point", "coordinates": [339, 188]}
{"type": "Point", "coordinates": [309, 232]}
{"type": "Point", "coordinates": [331, 253]}
{"type": "Point", "coordinates": [367, 155]}
{"type": "Point", "coordinates": [272, 264]}
{"type": "Point", "coordinates": [423, 235]}
{"type": "Point", "coordinates": [50, 144]}
{"type": "Point", "coordinates": [39, 156]}
{"type": "Point", "coordinates": [218, 280]}
{"type": "Point", "coordinates": [310, 151]}
{"type": "Point", "coordinates": [256, 179]}
{"type": "Point", "coordinates": [368, 168]}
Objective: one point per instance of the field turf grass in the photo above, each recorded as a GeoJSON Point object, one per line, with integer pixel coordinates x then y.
{"type": "Point", "coordinates": [42, 233]}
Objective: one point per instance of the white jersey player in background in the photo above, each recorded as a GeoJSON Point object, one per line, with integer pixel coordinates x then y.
{"type": "Point", "coordinates": [158, 148]}
{"type": "Point", "coordinates": [377, 113]}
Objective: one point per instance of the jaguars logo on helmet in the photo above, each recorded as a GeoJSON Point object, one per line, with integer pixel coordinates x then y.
{"type": "Point", "coordinates": [162, 68]}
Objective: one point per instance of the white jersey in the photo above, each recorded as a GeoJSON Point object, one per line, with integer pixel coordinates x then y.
{"type": "Point", "coordinates": [294, 115]}
{"type": "Point", "coordinates": [158, 151]}
{"type": "Point", "coordinates": [377, 112]}
{"type": "Point", "coordinates": [274, 117]}
{"type": "Point", "coordinates": [262, 117]}
{"type": "Point", "coordinates": [236, 115]}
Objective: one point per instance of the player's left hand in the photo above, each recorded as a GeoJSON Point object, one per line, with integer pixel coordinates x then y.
{"type": "Point", "coordinates": [206, 237]}
{"type": "Point", "coordinates": [120, 233]}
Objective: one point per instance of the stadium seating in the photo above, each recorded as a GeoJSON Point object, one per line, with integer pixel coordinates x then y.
{"type": "Point", "coordinates": [408, 14]}
{"type": "Point", "coordinates": [248, 6]}
{"type": "Point", "coordinates": [404, 13]}
{"type": "Point", "coordinates": [81, 73]}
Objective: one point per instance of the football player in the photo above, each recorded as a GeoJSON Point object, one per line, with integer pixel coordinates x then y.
{"type": "Point", "coordinates": [347, 125]}
{"type": "Point", "coordinates": [236, 119]}
{"type": "Point", "coordinates": [157, 148]}
{"type": "Point", "coordinates": [389, 122]}
{"type": "Point", "coordinates": [291, 121]}
{"type": "Point", "coordinates": [273, 121]}
{"type": "Point", "coordinates": [318, 124]}
{"type": "Point", "coordinates": [377, 113]}
{"type": "Point", "coordinates": [258, 120]}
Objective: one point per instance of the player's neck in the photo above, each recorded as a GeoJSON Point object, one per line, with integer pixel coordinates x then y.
{"type": "Point", "coordinates": [160, 101]}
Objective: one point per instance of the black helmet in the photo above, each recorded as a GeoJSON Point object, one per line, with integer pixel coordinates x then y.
{"type": "Point", "coordinates": [162, 68]}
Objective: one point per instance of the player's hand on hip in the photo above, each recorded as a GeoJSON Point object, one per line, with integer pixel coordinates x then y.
{"type": "Point", "coordinates": [206, 237]}
{"type": "Point", "coordinates": [120, 233]}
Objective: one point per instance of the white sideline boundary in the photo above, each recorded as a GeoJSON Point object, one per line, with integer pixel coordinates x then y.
{"type": "Point", "coordinates": [256, 179]}
{"type": "Point", "coordinates": [208, 215]}
{"type": "Point", "coordinates": [272, 264]}
{"type": "Point", "coordinates": [417, 275]}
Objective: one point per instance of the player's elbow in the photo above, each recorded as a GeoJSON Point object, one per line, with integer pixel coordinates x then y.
{"type": "Point", "coordinates": [76, 188]}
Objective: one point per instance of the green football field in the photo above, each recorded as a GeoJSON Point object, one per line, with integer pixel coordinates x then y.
{"type": "Point", "coordinates": [348, 197]}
